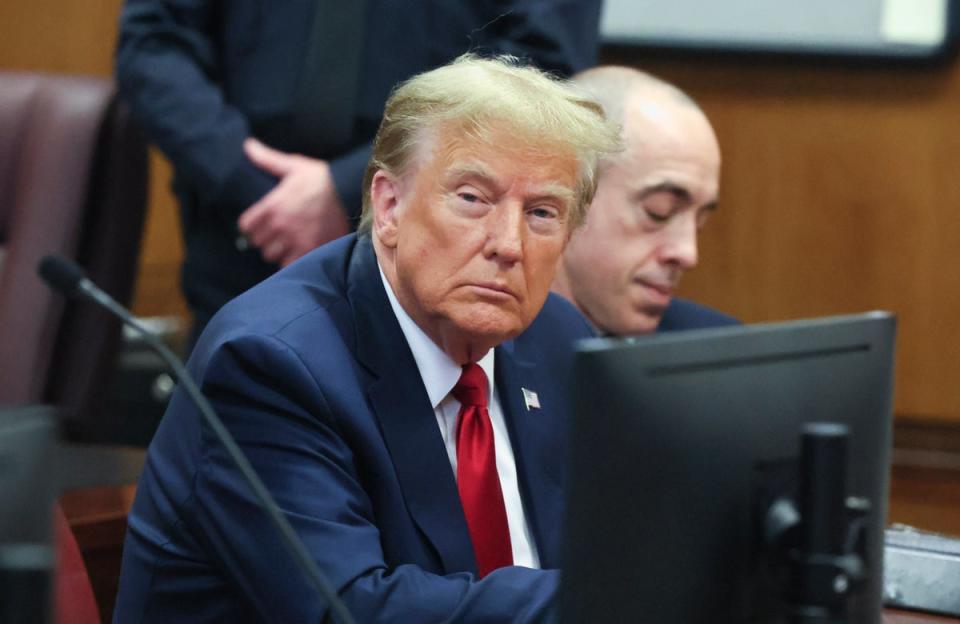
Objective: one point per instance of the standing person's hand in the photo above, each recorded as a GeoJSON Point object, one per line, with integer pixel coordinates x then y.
{"type": "Point", "coordinates": [301, 213]}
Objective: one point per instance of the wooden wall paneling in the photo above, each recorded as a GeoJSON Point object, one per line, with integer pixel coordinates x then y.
{"type": "Point", "coordinates": [158, 286]}
{"type": "Point", "coordinates": [62, 36]}
{"type": "Point", "coordinates": [839, 194]}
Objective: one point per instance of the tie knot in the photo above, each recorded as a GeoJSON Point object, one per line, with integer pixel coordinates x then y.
{"type": "Point", "coordinates": [472, 387]}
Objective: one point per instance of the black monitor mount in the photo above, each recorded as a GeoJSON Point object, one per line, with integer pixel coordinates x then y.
{"type": "Point", "coordinates": [815, 541]}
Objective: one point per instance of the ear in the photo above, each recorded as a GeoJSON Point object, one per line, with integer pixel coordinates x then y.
{"type": "Point", "coordinates": [385, 190]}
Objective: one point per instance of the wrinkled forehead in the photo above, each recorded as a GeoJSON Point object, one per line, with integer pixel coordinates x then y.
{"type": "Point", "coordinates": [475, 147]}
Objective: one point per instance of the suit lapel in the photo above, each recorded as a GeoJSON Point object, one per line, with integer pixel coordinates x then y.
{"type": "Point", "coordinates": [400, 402]}
{"type": "Point", "coordinates": [536, 435]}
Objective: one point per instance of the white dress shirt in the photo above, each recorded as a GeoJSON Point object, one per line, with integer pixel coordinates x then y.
{"type": "Point", "coordinates": [440, 374]}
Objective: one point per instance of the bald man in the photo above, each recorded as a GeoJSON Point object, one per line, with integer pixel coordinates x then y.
{"type": "Point", "coordinates": [622, 267]}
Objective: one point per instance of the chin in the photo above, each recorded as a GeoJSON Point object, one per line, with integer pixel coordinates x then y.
{"type": "Point", "coordinates": [491, 329]}
{"type": "Point", "coordinates": [494, 335]}
{"type": "Point", "coordinates": [649, 324]}
{"type": "Point", "coordinates": [637, 326]}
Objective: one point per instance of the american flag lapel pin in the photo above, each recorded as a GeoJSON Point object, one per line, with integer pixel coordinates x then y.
{"type": "Point", "coordinates": [530, 399]}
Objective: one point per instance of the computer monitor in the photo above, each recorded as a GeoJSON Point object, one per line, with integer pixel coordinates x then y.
{"type": "Point", "coordinates": [28, 486]}
{"type": "Point", "coordinates": [681, 442]}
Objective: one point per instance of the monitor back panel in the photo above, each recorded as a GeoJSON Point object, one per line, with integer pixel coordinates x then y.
{"type": "Point", "coordinates": [677, 442]}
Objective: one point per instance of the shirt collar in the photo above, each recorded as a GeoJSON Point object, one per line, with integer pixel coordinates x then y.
{"type": "Point", "coordinates": [439, 373]}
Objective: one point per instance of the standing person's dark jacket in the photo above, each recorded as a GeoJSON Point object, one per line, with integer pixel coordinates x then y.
{"type": "Point", "coordinates": [202, 76]}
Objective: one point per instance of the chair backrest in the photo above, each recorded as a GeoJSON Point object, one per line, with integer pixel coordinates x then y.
{"type": "Point", "coordinates": [73, 180]}
{"type": "Point", "coordinates": [72, 591]}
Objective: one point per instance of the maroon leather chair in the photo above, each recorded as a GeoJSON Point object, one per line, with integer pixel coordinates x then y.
{"type": "Point", "coordinates": [74, 602]}
{"type": "Point", "coordinates": [73, 181]}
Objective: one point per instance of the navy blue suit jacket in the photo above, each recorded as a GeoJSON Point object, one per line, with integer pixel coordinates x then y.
{"type": "Point", "coordinates": [311, 373]}
{"type": "Point", "coordinates": [682, 314]}
{"type": "Point", "coordinates": [203, 75]}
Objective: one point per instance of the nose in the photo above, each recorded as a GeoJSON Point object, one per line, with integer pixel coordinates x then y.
{"type": "Point", "coordinates": [505, 233]}
{"type": "Point", "coordinates": [680, 243]}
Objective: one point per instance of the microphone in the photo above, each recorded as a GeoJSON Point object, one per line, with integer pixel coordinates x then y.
{"type": "Point", "coordinates": [68, 279]}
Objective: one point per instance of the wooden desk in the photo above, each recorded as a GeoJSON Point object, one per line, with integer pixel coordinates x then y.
{"type": "Point", "coordinates": [895, 616]}
{"type": "Point", "coordinates": [922, 496]}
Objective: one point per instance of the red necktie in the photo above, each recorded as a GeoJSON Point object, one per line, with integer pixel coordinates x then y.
{"type": "Point", "coordinates": [477, 477]}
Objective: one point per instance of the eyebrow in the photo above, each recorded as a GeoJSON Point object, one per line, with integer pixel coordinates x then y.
{"type": "Point", "coordinates": [470, 170]}
{"type": "Point", "coordinates": [677, 191]}
{"type": "Point", "coordinates": [558, 191]}
{"type": "Point", "coordinates": [480, 172]}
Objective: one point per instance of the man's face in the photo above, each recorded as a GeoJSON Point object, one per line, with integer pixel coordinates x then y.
{"type": "Point", "coordinates": [641, 231]}
{"type": "Point", "coordinates": [471, 237]}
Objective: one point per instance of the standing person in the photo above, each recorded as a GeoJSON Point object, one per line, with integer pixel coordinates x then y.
{"type": "Point", "coordinates": [267, 109]}
{"type": "Point", "coordinates": [401, 391]}
{"type": "Point", "coordinates": [622, 267]}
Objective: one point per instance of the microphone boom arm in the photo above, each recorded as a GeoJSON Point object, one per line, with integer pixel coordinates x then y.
{"type": "Point", "coordinates": [68, 279]}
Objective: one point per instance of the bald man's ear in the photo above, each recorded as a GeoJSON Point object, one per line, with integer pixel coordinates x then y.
{"type": "Point", "coordinates": [384, 201]}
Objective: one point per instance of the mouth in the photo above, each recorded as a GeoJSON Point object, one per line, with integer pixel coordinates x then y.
{"type": "Point", "coordinates": [493, 290]}
{"type": "Point", "coordinates": [658, 293]}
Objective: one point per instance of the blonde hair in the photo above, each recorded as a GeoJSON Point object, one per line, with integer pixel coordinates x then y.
{"type": "Point", "coordinates": [477, 95]}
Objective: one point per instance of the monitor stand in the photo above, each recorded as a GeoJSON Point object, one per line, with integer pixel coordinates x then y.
{"type": "Point", "coordinates": [814, 542]}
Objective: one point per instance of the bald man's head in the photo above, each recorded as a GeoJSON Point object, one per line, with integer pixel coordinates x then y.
{"type": "Point", "coordinates": [613, 85]}
{"type": "Point", "coordinates": [622, 266]}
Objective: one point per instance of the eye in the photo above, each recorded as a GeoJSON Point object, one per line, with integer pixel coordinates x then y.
{"type": "Point", "coordinates": [469, 201]}
{"type": "Point", "coordinates": [545, 219]}
{"type": "Point", "coordinates": [659, 208]}
{"type": "Point", "coordinates": [656, 217]}
{"type": "Point", "coordinates": [543, 212]}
